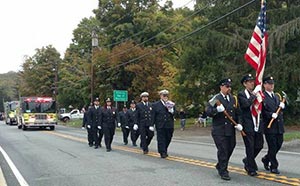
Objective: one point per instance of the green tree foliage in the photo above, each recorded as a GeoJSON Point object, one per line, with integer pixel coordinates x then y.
{"type": "Point", "coordinates": [136, 77]}
{"type": "Point", "coordinates": [8, 88]}
{"type": "Point", "coordinates": [220, 48]}
{"type": "Point", "coordinates": [189, 68]}
{"type": "Point", "coordinates": [37, 77]}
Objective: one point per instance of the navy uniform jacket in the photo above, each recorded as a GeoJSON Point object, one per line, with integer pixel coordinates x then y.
{"type": "Point", "coordinates": [245, 108]}
{"type": "Point", "coordinates": [95, 116]}
{"type": "Point", "coordinates": [123, 118]}
{"type": "Point", "coordinates": [270, 106]}
{"type": "Point", "coordinates": [162, 118]}
{"type": "Point", "coordinates": [131, 117]}
{"type": "Point", "coordinates": [110, 117]}
{"type": "Point", "coordinates": [85, 119]}
{"type": "Point", "coordinates": [144, 114]}
{"type": "Point", "coordinates": [221, 125]}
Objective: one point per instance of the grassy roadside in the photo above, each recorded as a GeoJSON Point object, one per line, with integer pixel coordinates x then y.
{"type": "Point", "coordinates": [78, 123]}
{"type": "Point", "coordinates": [289, 136]}
{"type": "Point", "coordinates": [72, 123]}
{"type": "Point", "coordinates": [190, 122]}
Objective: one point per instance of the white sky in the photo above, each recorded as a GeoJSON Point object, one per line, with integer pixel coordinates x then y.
{"type": "Point", "coordinates": [30, 24]}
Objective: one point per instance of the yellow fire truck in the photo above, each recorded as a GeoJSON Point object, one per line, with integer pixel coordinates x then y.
{"type": "Point", "coordinates": [37, 112]}
{"type": "Point", "coordinates": [11, 110]}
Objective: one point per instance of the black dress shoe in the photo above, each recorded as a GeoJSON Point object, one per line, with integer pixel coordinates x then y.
{"type": "Point", "coordinates": [245, 164]}
{"type": "Point", "coordinates": [275, 171]}
{"type": "Point", "coordinates": [163, 155]}
{"type": "Point", "coordinates": [96, 147]}
{"type": "Point", "coordinates": [145, 152]}
{"type": "Point", "coordinates": [266, 163]}
{"type": "Point", "coordinates": [108, 150]}
{"type": "Point", "coordinates": [100, 145]}
{"type": "Point", "coordinates": [134, 144]}
{"type": "Point", "coordinates": [125, 143]}
{"type": "Point", "coordinates": [90, 145]}
{"type": "Point", "coordinates": [254, 173]}
{"type": "Point", "coordinates": [225, 177]}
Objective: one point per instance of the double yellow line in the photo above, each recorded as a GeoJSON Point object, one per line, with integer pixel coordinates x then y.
{"type": "Point", "coordinates": [261, 175]}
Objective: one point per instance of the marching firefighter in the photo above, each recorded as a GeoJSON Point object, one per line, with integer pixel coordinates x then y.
{"type": "Point", "coordinates": [274, 131]}
{"type": "Point", "coordinates": [94, 124]}
{"type": "Point", "coordinates": [109, 119]}
{"type": "Point", "coordinates": [132, 122]}
{"type": "Point", "coordinates": [144, 121]}
{"type": "Point", "coordinates": [252, 125]}
{"type": "Point", "coordinates": [124, 124]}
{"type": "Point", "coordinates": [223, 130]}
{"type": "Point", "coordinates": [163, 118]}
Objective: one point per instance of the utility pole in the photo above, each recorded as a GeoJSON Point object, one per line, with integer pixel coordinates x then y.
{"type": "Point", "coordinates": [94, 45]}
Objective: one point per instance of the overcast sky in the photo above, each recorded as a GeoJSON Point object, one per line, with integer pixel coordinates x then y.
{"type": "Point", "coordinates": [30, 24]}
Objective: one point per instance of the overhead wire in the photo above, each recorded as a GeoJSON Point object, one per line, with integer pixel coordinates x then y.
{"type": "Point", "coordinates": [166, 29]}
{"type": "Point", "coordinates": [140, 32]}
{"type": "Point", "coordinates": [181, 38]}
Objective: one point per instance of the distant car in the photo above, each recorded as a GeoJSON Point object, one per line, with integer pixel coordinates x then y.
{"type": "Point", "coordinates": [74, 114]}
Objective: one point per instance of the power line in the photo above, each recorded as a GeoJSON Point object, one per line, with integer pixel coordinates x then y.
{"type": "Point", "coordinates": [169, 28]}
{"type": "Point", "coordinates": [181, 38]}
{"type": "Point", "coordinates": [138, 33]}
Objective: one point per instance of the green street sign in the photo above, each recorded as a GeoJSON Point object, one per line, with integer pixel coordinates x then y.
{"type": "Point", "coordinates": [120, 95]}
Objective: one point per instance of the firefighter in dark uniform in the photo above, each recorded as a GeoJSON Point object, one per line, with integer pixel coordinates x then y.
{"type": "Point", "coordinates": [223, 131]}
{"type": "Point", "coordinates": [144, 121]}
{"type": "Point", "coordinates": [85, 118]}
{"type": "Point", "coordinates": [132, 123]}
{"type": "Point", "coordinates": [124, 124]}
{"type": "Point", "coordinates": [251, 124]}
{"type": "Point", "coordinates": [94, 126]}
{"type": "Point", "coordinates": [274, 134]}
{"type": "Point", "coordinates": [163, 118]}
{"type": "Point", "coordinates": [109, 119]}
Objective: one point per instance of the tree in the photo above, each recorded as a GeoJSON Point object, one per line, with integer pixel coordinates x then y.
{"type": "Point", "coordinates": [37, 76]}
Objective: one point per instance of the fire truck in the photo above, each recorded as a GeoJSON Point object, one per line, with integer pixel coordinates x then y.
{"type": "Point", "coordinates": [11, 110]}
{"type": "Point", "coordinates": [37, 112]}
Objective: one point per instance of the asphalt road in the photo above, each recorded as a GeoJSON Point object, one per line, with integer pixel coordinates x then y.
{"type": "Point", "coordinates": [63, 158]}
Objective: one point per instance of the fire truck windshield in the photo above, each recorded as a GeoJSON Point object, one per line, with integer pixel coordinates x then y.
{"type": "Point", "coordinates": [13, 106]}
{"type": "Point", "coordinates": [39, 107]}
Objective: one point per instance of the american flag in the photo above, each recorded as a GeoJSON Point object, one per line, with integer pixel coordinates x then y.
{"type": "Point", "coordinates": [256, 53]}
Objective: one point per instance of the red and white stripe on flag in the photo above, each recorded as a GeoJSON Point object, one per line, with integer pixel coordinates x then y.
{"type": "Point", "coordinates": [256, 53]}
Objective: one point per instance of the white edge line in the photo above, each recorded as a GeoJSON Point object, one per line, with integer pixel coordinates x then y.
{"type": "Point", "coordinates": [14, 169]}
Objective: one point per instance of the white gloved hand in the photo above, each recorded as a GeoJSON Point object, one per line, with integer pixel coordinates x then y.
{"type": "Point", "coordinates": [151, 128]}
{"type": "Point", "coordinates": [282, 105]}
{"type": "Point", "coordinates": [126, 127]}
{"type": "Point", "coordinates": [258, 97]}
{"type": "Point", "coordinates": [88, 126]}
{"type": "Point", "coordinates": [274, 115]}
{"type": "Point", "coordinates": [99, 127]}
{"type": "Point", "coordinates": [239, 127]}
{"type": "Point", "coordinates": [171, 110]}
{"type": "Point", "coordinates": [135, 127]}
{"type": "Point", "coordinates": [220, 108]}
{"type": "Point", "coordinates": [257, 89]}
{"type": "Point", "coordinates": [119, 124]}
{"type": "Point", "coordinates": [82, 128]}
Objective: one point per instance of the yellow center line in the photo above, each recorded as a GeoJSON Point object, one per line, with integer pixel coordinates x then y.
{"type": "Point", "coordinates": [238, 170]}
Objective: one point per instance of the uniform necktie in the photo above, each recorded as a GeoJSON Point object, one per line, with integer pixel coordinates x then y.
{"type": "Point", "coordinates": [225, 97]}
